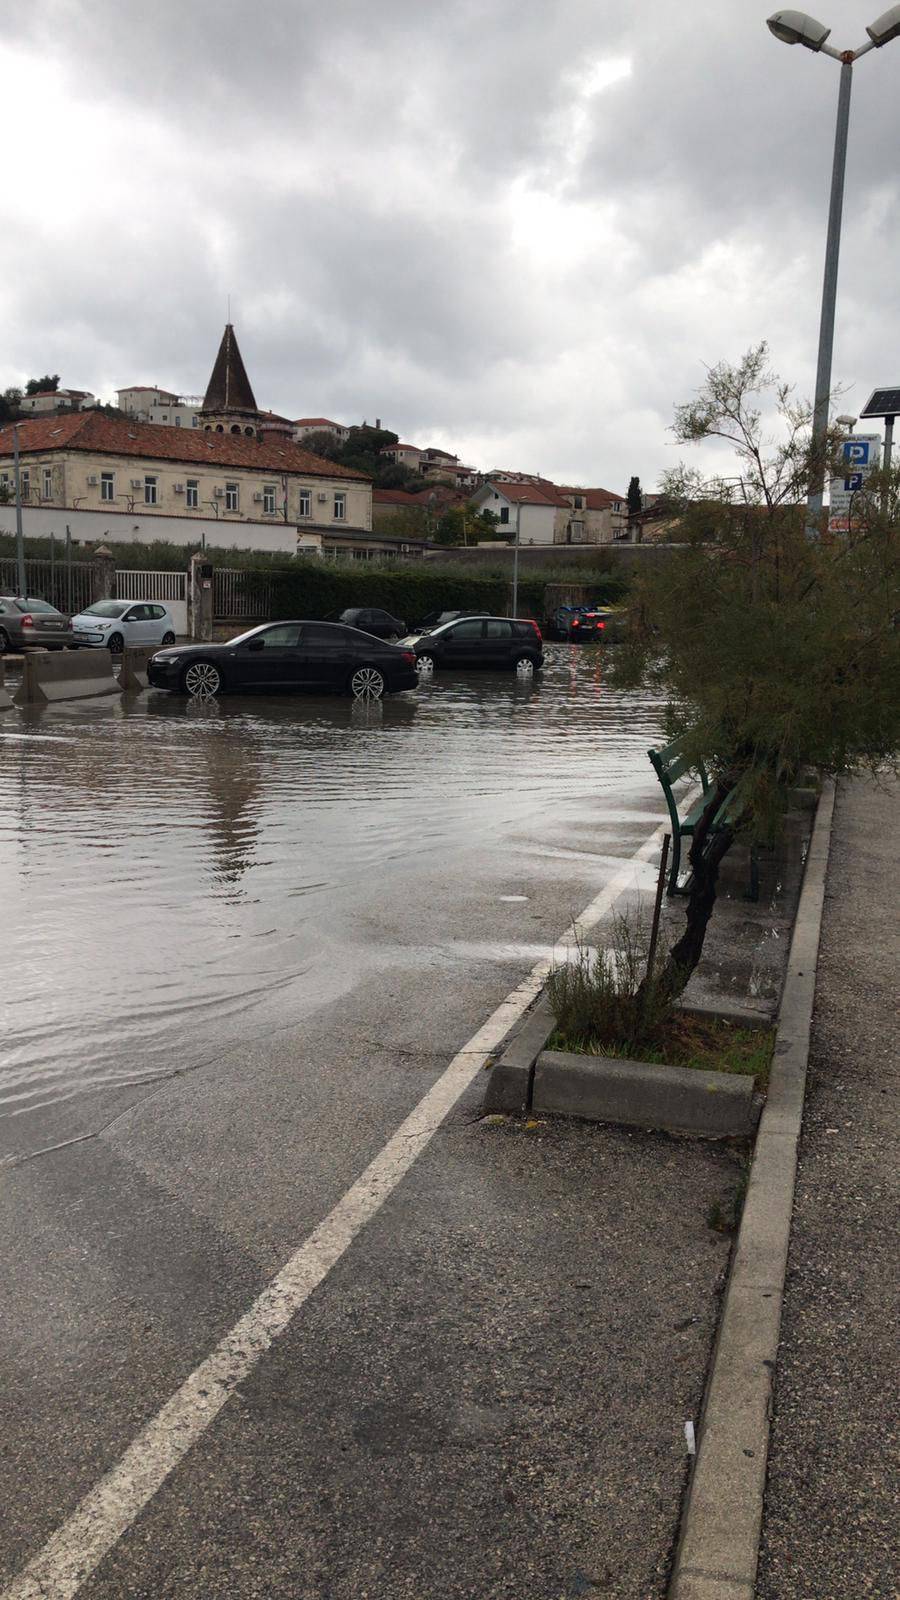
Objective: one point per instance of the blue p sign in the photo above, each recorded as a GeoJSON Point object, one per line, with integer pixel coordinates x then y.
{"type": "Point", "coordinates": [854, 482]}
{"type": "Point", "coordinates": [856, 452]}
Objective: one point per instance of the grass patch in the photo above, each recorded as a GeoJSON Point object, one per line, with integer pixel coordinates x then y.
{"type": "Point", "coordinates": [677, 1040]}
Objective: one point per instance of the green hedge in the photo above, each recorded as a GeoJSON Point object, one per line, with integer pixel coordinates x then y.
{"type": "Point", "coordinates": [320, 588]}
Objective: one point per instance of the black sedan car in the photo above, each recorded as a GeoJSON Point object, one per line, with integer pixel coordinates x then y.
{"type": "Point", "coordinates": [317, 656]}
{"type": "Point", "coordinates": [371, 619]}
{"type": "Point", "coordinates": [496, 642]}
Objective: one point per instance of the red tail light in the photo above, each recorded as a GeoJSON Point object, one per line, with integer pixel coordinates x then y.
{"type": "Point", "coordinates": [537, 631]}
{"type": "Point", "coordinates": [601, 625]}
{"type": "Point", "coordinates": [409, 657]}
{"type": "Point", "coordinates": [27, 621]}
{"type": "Point", "coordinates": [576, 622]}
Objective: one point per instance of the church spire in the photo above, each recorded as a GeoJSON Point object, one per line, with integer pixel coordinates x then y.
{"type": "Point", "coordinates": [229, 387]}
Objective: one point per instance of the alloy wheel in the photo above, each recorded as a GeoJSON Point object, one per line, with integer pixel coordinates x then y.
{"type": "Point", "coordinates": [4, 641]}
{"type": "Point", "coordinates": [116, 644]}
{"type": "Point", "coordinates": [367, 683]}
{"type": "Point", "coordinates": [425, 666]}
{"type": "Point", "coordinates": [203, 680]}
{"type": "Point", "coordinates": [168, 638]}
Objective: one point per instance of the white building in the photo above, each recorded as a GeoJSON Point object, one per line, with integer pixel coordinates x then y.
{"type": "Point", "coordinates": [50, 400]}
{"type": "Point", "coordinates": [148, 403]}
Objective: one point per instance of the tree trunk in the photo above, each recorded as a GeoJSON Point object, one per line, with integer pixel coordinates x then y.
{"type": "Point", "coordinates": [707, 851]}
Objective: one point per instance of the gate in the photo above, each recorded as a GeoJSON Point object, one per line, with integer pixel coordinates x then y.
{"type": "Point", "coordinates": [65, 584]}
{"type": "Point", "coordinates": [241, 594]}
{"type": "Point", "coordinates": [169, 588]}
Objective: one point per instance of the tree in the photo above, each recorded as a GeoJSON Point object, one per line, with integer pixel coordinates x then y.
{"type": "Point", "coordinates": [322, 443]}
{"type": "Point", "coordinates": [777, 653]}
{"type": "Point", "coordinates": [634, 498]}
{"type": "Point", "coordinates": [10, 405]}
{"type": "Point", "coordinates": [49, 382]}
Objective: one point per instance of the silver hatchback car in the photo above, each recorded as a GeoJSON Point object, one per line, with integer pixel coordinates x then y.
{"type": "Point", "coordinates": [115, 623]}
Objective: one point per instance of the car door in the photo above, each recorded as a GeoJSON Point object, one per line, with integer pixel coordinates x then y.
{"type": "Point", "coordinates": [270, 658]}
{"type": "Point", "coordinates": [326, 655]}
{"type": "Point", "coordinates": [463, 644]}
{"type": "Point", "coordinates": [159, 624]}
{"type": "Point", "coordinates": [498, 639]}
{"type": "Point", "coordinates": [137, 625]}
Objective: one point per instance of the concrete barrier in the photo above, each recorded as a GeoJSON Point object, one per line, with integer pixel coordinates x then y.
{"type": "Point", "coordinates": [5, 696]}
{"type": "Point", "coordinates": [66, 675]}
{"type": "Point", "coordinates": [640, 1094]}
{"type": "Point", "coordinates": [133, 673]}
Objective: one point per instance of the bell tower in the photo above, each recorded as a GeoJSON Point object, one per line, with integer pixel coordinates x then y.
{"type": "Point", "coordinates": [229, 405]}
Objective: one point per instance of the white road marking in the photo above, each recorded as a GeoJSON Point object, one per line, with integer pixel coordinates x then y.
{"type": "Point", "coordinates": [75, 1550]}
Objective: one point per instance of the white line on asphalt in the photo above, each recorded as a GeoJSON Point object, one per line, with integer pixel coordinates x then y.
{"type": "Point", "coordinates": [77, 1547]}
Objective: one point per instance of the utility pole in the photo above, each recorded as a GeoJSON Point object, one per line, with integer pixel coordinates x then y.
{"type": "Point", "coordinates": [515, 593]}
{"type": "Point", "coordinates": [20, 541]}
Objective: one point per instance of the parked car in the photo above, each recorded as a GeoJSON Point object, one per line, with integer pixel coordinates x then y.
{"type": "Point", "coordinates": [371, 619]}
{"type": "Point", "coordinates": [115, 623]}
{"type": "Point", "coordinates": [30, 623]}
{"type": "Point", "coordinates": [288, 656]}
{"type": "Point", "coordinates": [479, 642]}
{"type": "Point", "coordinates": [435, 619]}
{"type": "Point", "coordinates": [601, 623]}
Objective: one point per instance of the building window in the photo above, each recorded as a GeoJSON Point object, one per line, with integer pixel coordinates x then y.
{"type": "Point", "coordinates": [195, 422]}
{"type": "Point", "coordinates": [47, 490]}
{"type": "Point", "coordinates": [340, 506]}
{"type": "Point", "coordinates": [107, 486]}
{"type": "Point", "coordinates": [151, 497]}
{"type": "Point", "coordinates": [305, 502]}
{"type": "Point", "coordinates": [178, 422]}
{"type": "Point", "coordinates": [192, 494]}
{"type": "Point", "coordinates": [231, 497]}
{"type": "Point", "coordinates": [25, 483]}
{"type": "Point", "coordinates": [269, 499]}
{"type": "Point", "coordinates": [578, 502]}
{"type": "Point", "coordinates": [504, 513]}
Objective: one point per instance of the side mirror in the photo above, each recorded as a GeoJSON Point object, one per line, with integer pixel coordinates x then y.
{"type": "Point", "coordinates": [256, 644]}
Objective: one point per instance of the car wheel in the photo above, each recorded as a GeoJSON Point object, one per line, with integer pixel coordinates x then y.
{"type": "Point", "coordinates": [168, 638]}
{"type": "Point", "coordinates": [524, 667]}
{"type": "Point", "coordinates": [4, 641]}
{"type": "Point", "coordinates": [367, 684]}
{"type": "Point", "coordinates": [426, 665]}
{"type": "Point", "coordinates": [202, 679]}
{"type": "Point", "coordinates": [116, 644]}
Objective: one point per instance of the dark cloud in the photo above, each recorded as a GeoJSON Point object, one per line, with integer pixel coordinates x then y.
{"type": "Point", "coordinates": [515, 228]}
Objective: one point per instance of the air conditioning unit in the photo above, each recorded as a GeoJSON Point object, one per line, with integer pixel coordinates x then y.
{"type": "Point", "coordinates": [137, 483]}
{"type": "Point", "coordinates": [178, 488]}
{"type": "Point", "coordinates": [257, 499]}
{"type": "Point", "coordinates": [219, 492]}
{"type": "Point", "coordinates": [92, 480]}
{"type": "Point", "coordinates": [322, 499]}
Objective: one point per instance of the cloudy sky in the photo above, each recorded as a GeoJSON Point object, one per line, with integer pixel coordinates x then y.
{"type": "Point", "coordinates": [512, 228]}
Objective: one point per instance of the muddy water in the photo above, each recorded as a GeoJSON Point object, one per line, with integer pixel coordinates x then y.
{"type": "Point", "coordinates": [176, 876]}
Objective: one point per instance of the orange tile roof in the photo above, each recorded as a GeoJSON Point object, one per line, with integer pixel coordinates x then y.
{"type": "Point", "coordinates": [91, 430]}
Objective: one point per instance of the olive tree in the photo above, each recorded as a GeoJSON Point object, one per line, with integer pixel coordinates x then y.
{"type": "Point", "coordinates": [777, 653]}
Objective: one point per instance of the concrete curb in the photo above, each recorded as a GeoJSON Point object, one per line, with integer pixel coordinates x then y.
{"type": "Point", "coordinates": [637, 1094]}
{"type": "Point", "coordinates": [721, 1526]}
{"type": "Point", "coordinates": [510, 1083]}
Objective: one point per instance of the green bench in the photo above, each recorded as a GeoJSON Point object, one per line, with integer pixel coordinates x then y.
{"type": "Point", "coordinates": [670, 763]}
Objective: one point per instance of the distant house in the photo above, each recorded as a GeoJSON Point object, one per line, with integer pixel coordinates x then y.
{"type": "Point", "coordinates": [443, 467]}
{"type": "Point", "coordinates": [405, 455]}
{"type": "Point", "coordinates": [48, 401]}
{"type": "Point", "coordinates": [148, 403]}
{"type": "Point", "coordinates": [304, 425]}
{"type": "Point", "coordinates": [551, 513]}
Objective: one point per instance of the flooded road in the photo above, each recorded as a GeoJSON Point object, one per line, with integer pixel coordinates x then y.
{"type": "Point", "coordinates": [180, 877]}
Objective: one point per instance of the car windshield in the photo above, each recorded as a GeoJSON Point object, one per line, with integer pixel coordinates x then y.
{"type": "Point", "coordinates": [241, 638]}
{"type": "Point", "coordinates": [39, 607]}
{"type": "Point", "coordinates": [106, 608]}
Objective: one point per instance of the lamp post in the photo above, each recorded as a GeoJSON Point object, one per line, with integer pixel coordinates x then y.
{"type": "Point", "coordinates": [797, 27]}
{"type": "Point", "coordinates": [21, 584]}
{"type": "Point", "coordinates": [515, 593]}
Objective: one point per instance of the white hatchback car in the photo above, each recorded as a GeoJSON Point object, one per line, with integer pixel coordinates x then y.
{"type": "Point", "coordinates": [115, 623]}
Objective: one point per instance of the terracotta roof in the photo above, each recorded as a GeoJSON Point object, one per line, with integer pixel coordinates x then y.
{"type": "Point", "coordinates": [316, 422]}
{"type": "Point", "coordinates": [91, 430]}
{"type": "Point", "coordinates": [229, 387]}
{"type": "Point", "coordinates": [595, 499]}
{"type": "Point", "coordinates": [528, 493]}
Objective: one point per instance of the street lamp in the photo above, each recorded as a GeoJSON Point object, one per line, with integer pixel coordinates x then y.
{"type": "Point", "coordinates": [797, 27]}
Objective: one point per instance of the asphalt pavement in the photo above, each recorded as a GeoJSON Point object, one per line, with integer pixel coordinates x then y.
{"type": "Point", "coordinates": [830, 1522]}
{"type": "Point", "coordinates": [486, 1394]}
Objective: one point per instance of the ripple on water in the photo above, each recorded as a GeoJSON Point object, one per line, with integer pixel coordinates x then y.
{"type": "Point", "coordinates": [185, 874]}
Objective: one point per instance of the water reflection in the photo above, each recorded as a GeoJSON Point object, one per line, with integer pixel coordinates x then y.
{"type": "Point", "coordinates": [194, 872]}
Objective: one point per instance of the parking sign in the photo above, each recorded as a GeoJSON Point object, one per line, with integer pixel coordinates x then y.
{"type": "Point", "coordinates": [861, 455]}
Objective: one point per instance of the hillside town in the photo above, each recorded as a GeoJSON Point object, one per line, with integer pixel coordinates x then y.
{"type": "Point", "coordinates": [222, 471]}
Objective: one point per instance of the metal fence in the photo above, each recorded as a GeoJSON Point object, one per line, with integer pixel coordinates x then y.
{"type": "Point", "coordinates": [64, 584]}
{"type": "Point", "coordinates": [134, 584]}
{"type": "Point", "coordinates": [241, 594]}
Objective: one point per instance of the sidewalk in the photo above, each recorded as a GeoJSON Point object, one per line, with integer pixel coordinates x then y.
{"type": "Point", "coordinates": [828, 1529]}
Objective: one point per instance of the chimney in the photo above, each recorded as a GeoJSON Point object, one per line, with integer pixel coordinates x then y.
{"type": "Point", "coordinates": [378, 422]}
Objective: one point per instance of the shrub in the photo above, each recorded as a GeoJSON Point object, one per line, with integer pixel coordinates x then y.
{"type": "Point", "coordinates": [606, 994]}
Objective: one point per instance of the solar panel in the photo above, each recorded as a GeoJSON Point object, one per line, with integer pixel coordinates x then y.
{"type": "Point", "coordinates": [884, 403]}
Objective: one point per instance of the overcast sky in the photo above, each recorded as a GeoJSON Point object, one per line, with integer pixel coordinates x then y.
{"type": "Point", "coordinates": [515, 229]}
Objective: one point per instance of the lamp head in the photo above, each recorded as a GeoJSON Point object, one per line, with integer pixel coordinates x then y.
{"type": "Point", "coordinates": [886, 28]}
{"type": "Point", "coordinates": [797, 27]}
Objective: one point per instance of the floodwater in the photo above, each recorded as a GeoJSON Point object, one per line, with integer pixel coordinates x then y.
{"type": "Point", "coordinates": [177, 876]}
